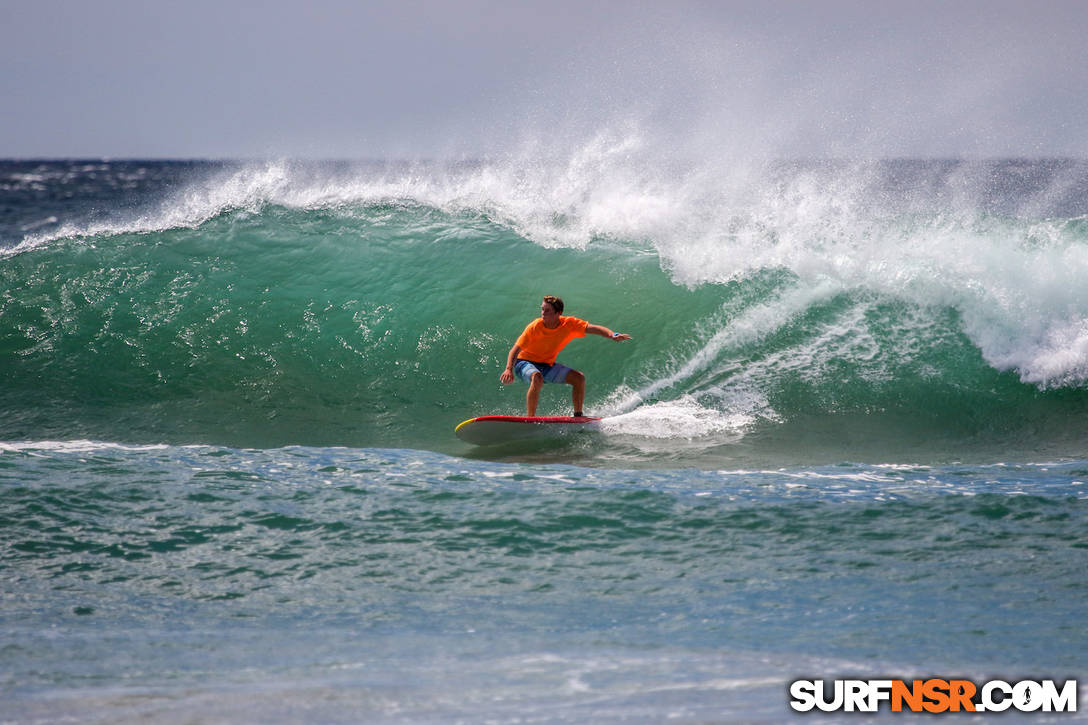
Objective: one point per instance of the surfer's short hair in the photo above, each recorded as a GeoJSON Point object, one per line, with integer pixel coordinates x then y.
{"type": "Point", "coordinates": [556, 303]}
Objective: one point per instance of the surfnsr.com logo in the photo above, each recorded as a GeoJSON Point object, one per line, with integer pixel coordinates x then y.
{"type": "Point", "coordinates": [934, 695]}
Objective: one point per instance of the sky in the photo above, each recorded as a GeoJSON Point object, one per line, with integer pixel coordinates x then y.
{"type": "Point", "coordinates": [456, 78]}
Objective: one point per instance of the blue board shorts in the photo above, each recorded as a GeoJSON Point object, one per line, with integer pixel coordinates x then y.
{"type": "Point", "coordinates": [556, 373]}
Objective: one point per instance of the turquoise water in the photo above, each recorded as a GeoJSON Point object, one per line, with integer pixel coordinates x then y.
{"type": "Point", "coordinates": [847, 439]}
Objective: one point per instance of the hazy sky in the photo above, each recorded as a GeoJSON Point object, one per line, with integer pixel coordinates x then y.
{"type": "Point", "coordinates": [420, 78]}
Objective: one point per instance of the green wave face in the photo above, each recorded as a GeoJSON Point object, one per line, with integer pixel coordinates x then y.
{"type": "Point", "coordinates": [386, 322]}
{"type": "Point", "coordinates": [368, 328]}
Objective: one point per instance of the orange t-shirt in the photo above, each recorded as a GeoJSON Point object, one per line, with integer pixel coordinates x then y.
{"type": "Point", "coordinates": [539, 344]}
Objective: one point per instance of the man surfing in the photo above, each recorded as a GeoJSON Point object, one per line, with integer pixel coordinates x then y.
{"type": "Point", "coordinates": [533, 356]}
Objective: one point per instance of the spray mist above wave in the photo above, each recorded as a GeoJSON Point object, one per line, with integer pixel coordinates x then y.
{"type": "Point", "coordinates": [622, 184]}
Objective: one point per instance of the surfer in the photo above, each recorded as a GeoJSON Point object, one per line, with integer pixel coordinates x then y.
{"type": "Point", "coordinates": [532, 358]}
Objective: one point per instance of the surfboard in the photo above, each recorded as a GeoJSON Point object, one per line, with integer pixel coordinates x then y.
{"type": "Point", "coordinates": [489, 430]}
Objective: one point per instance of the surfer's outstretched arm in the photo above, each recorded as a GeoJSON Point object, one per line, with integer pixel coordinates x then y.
{"type": "Point", "coordinates": [605, 332]}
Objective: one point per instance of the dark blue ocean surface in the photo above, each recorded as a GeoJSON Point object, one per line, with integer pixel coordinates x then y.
{"type": "Point", "coordinates": [395, 585]}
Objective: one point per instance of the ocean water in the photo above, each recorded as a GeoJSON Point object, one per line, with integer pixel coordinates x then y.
{"type": "Point", "coordinates": [848, 438]}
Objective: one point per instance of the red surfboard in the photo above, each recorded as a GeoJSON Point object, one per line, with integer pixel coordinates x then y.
{"type": "Point", "coordinates": [489, 430]}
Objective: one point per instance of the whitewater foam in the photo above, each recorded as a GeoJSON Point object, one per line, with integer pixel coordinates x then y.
{"type": "Point", "coordinates": [683, 418]}
{"type": "Point", "coordinates": [74, 446]}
